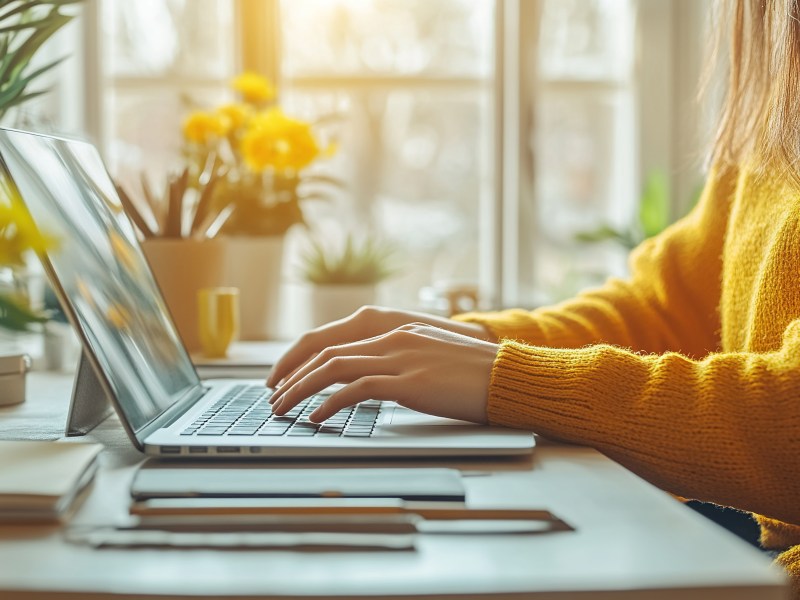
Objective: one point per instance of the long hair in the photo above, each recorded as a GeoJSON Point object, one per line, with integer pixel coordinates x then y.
{"type": "Point", "coordinates": [760, 114]}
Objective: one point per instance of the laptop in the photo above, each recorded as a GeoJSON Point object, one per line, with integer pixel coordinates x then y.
{"type": "Point", "coordinates": [110, 296]}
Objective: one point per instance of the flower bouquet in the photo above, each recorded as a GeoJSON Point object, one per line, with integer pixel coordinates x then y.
{"type": "Point", "coordinates": [259, 157]}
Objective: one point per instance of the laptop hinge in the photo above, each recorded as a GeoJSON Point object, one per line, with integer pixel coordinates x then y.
{"type": "Point", "coordinates": [182, 405]}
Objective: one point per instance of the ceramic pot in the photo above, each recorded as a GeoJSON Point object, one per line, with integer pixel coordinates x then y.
{"type": "Point", "coordinates": [331, 302]}
{"type": "Point", "coordinates": [255, 265]}
{"type": "Point", "coordinates": [181, 268]}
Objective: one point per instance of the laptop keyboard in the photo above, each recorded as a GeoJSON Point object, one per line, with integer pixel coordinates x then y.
{"type": "Point", "coordinates": [245, 411]}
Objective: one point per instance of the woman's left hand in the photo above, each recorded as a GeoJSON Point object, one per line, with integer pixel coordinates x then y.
{"type": "Point", "coordinates": [419, 366]}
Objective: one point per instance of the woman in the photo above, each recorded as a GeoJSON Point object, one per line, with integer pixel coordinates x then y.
{"type": "Point", "coordinates": [687, 373]}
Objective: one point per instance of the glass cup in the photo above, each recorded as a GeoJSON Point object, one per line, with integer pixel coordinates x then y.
{"type": "Point", "coordinates": [218, 319]}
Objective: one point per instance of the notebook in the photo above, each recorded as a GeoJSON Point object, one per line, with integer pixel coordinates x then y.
{"type": "Point", "coordinates": [40, 481]}
{"type": "Point", "coordinates": [110, 296]}
{"type": "Point", "coordinates": [165, 480]}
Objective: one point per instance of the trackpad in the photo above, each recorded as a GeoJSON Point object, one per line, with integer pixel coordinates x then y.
{"type": "Point", "coordinates": [405, 417]}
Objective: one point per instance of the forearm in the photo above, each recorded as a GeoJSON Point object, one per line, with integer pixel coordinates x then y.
{"type": "Point", "coordinates": [722, 429]}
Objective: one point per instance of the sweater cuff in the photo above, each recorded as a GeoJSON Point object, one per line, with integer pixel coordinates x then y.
{"type": "Point", "coordinates": [548, 390]}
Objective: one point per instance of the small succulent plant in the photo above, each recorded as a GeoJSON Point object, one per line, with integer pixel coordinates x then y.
{"type": "Point", "coordinates": [365, 261]}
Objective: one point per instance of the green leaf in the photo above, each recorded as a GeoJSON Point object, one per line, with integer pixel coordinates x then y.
{"type": "Point", "coordinates": [654, 204]}
{"type": "Point", "coordinates": [354, 263]}
{"type": "Point", "coordinates": [24, 25]}
{"type": "Point", "coordinates": [601, 234]}
{"type": "Point", "coordinates": [20, 57]}
{"type": "Point", "coordinates": [13, 91]}
{"type": "Point", "coordinates": [21, 10]}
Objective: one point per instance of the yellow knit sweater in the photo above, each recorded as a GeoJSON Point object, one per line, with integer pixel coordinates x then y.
{"type": "Point", "coordinates": [688, 372]}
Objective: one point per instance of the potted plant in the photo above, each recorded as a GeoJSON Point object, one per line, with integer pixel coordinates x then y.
{"type": "Point", "coordinates": [344, 279]}
{"type": "Point", "coordinates": [24, 28]}
{"type": "Point", "coordinates": [178, 231]}
{"type": "Point", "coordinates": [261, 158]}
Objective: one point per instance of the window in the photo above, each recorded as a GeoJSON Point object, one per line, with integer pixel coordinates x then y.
{"type": "Point", "coordinates": [480, 136]}
{"type": "Point", "coordinates": [411, 83]}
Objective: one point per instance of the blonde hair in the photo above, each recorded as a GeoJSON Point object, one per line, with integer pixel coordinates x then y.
{"type": "Point", "coordinates": [760, 116]}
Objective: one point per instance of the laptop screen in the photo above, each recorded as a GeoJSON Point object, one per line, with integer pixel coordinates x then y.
{"type": "Point", "coordinates": [101, 271]}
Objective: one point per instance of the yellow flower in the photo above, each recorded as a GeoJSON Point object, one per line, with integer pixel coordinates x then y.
{"type": "Point", "coordinates": [201, 127]}
{"type": "Point", "coordinates": [18, 233]}
{"type": "Point", "coordinates": [254, 88]}
{"type": "Point", "coordinates": [276, 141]}
{"type": "Point", "coordinates": [233, 116]}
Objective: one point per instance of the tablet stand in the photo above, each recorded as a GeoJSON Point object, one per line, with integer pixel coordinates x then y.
{"type": "Point", "coordinates": [89, 404]}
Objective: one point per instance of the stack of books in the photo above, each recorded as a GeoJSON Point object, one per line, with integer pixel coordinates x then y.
{"type": "Point", "coordinates": [42, 481]}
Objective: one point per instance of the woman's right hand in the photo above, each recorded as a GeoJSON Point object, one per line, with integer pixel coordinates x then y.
{"type": "Point", "coordinates": [367, 322]}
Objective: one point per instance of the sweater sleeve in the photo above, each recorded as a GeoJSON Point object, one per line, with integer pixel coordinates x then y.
{"type": "Point", "coordinates": [669, 302]}
{"type": "Point", "coordinates": [723, 428]}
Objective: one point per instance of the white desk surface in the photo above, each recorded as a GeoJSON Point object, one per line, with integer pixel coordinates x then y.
{"type": "Point", "coordinates": [630, 540]}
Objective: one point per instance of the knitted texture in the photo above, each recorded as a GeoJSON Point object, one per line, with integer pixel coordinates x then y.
{"type": "Point", "coordinates": [688, 372]}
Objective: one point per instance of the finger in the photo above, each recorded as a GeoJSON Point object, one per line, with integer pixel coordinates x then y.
{"type": "Point", "coordinates": [365, 322]}
{"type": "Point", "coordinates": [296, 355]}
{"type": "Point", "coordinates": [372, 387]}
{"type": "Point", "coordinates": [379, 345]}
{"type": "Point", "coordinates": [308, 345]}
{"type": "Point", "coordinates": [341, 369]}
{"type": "Point", "coordinates": [361, 348]}
{"type": "Point", "coordinates": [287, 377]}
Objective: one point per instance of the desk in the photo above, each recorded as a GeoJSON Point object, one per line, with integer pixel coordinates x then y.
{"type": "Point", "coordinates": [630, 540]}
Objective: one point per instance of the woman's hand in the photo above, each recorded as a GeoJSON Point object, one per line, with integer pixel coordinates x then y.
{"type": "Point", "coordinates": [419, 366]}
{"type": "Point", "coordinates": [367, 322]}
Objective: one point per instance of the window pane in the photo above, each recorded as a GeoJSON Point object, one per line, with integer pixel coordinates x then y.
{"type": "Point", "coordinates": [148, 38]}
{"type": "Point", "coordinates": [585, 147]}
{"type": "Point", "coordinates": [146, 128]}
{"type": "Point", "coordinates": [163, 58]}
{"type": "Point", "coordinates": [586, 39]}
{"type": "Point", "coordinates": [452, 37]}
{"type": "Point", "coordinates": [585, 179]}
{"type": "Point", "coordinates": [581, 140]}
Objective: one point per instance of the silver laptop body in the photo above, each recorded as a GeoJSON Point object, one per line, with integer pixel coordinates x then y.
{"type": "Point", "coordinates": [98, 270]}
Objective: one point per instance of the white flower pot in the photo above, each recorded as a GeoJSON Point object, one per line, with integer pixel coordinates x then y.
{"type": "Point", "coordinates": [331, 302]}
{"type": "Point", "coordinates": [254, 265]}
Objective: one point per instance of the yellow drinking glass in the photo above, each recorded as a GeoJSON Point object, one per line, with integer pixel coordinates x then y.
{"type": "Point", "coordinates": [218, 319]}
